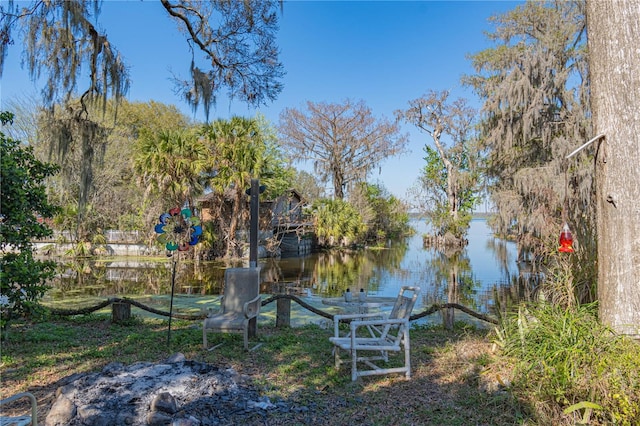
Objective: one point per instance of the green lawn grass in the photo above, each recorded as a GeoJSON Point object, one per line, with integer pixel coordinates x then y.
{"type": "Point", "coordinates": [449, 384]}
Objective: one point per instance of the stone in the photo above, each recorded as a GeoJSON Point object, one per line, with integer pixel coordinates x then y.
{"type": "Point", "coordinates": [177, 357]}
{"type": "Point", "coordinates": [61, 412]}
{"type": "Point", "coordinates": [94, 416]}
{"type": "Point", "coordinates": [156, 418]}
{"type": "Point", "coordinates": [112, 368]}
{"type": "Point", "coordinates": [125, 418]}
{"type": "Point", "coordinates": [164, 402]}
{"type": "Point", "coordinates": [191, 421]}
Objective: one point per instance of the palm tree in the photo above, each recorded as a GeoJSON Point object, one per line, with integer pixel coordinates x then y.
{"type": "Point", "coordinates": [236, 146]}
{"type": "Point", "coordinates": [172, 163]}
{"type": "Point", "coordinates": [243, 149]}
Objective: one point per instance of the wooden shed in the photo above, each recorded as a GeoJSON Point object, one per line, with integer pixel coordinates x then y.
{"type": "Point", "coordinates": [281, 219]}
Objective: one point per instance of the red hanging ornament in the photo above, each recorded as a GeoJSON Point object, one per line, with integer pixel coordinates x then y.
{"type": "Point", "coordinates": [566, 240]}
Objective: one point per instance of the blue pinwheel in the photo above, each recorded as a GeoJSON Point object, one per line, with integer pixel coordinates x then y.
{"type": "Point", "coordinates": [178, 229]}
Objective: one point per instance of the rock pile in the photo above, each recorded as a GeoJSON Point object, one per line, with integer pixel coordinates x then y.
{"type": "Point", "coordinates": [177, 392]}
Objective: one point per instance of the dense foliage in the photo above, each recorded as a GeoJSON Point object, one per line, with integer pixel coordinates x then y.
{"type": "Point", "coordinates": [65, 46]}
{"type": "Point", "coordinates": [170, 164]}
{"type": "Point", "coordinates": [22, 212]}
{"type": "Point", "coordinates": [433, 180]}
{"type": "Point", "coordinates": [450, 181]}
{"type": "Point", "coordinates": [337, 223]}
{"type": "Point", "coordinates": [386, 216]}
{"type": "Point", "coordinates": [241, 149]}
{"type": "Point", "coordinates": [306, 183]}
{"type": "Point", "coordinates": [113, 196]}
{"type": "Point", "coordinates": [567, 360]}
{"type": "Point", "coordinates": [154, 157]}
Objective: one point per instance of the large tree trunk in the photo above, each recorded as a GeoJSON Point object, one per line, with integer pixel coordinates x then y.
{"type": "Point", "coordinates": [338, 184]}
{"type": "Point", "coordinates": [614, 61]}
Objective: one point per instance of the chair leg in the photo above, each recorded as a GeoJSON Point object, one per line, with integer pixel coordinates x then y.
{"type": "Point", "coordinates": [407, 355]}
{"type": "Point", "coordinates": [354, 365]}
{"type": "Point", "coordinates": [204, 336]}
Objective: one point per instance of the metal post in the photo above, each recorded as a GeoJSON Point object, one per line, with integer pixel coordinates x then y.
{"type": "Point", "coordinates": [253, 229]}
{"type": "Point", "coordinates": [173, 282]}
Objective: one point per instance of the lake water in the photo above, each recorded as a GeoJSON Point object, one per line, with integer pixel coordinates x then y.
{"type": "Point", "coordinates": [479, 277]}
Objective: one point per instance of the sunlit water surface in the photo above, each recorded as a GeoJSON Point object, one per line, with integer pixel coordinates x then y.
{"type": "Point", "coordinates": [479, 277]}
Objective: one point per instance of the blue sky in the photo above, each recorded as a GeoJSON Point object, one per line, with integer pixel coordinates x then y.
{"type": "Point", "coordinates": [383, 52]}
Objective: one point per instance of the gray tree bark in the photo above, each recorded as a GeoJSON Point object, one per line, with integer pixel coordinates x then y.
{"type": "Point", "coordinates": [614, 60]}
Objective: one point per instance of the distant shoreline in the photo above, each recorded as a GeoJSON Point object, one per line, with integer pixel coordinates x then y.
{"type": "Point", "coordinates": [475, 215]}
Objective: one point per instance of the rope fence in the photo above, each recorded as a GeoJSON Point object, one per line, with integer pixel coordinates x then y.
{"type": "Point", "coordinates": [194, 317]}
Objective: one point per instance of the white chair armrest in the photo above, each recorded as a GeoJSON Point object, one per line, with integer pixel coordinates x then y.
{"type": "Point", "coordinates": [339, 317]}
{"type": "Point", "coordinates": [355, 324]}
{"type": "Point", "coordinates": [375, 327]}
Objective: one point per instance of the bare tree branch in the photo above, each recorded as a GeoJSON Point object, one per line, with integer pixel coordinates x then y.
{"type": "Point", "coordinates": [344, 141]}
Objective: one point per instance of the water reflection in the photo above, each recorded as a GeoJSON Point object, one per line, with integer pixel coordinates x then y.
{"type": "Point", "coordinates": [484, 274]}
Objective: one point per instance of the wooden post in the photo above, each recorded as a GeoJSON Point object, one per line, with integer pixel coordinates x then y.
{"type": "Point", "coordinates": [283, 313]}
{"type": "Point", "coordinates": [448, 318]}
{"type": "Point", "coordinates": [120, 312]}
{"type": "Point", "coordinates": [254, 207]}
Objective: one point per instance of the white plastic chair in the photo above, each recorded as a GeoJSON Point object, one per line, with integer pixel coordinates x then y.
{"type": "Point", "coordinates": [374, 333]}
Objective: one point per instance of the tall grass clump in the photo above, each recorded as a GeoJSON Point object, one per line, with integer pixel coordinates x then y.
{"type": "Point", "coordinates": [571, 367]}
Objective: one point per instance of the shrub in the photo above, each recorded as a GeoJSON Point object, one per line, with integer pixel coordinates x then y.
{"type": "Point", "coordinates": [570, 362]}
{"type": "Point", "coordinates": [22, 212]}
{"type": "Point", "coordinates": [337, 222]}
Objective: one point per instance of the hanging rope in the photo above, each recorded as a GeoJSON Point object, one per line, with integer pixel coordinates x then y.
{"type": "Point", "coordinates": [194, 317]}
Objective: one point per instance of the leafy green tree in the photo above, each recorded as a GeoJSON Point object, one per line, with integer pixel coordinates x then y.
{"type": "Point", "coordinates": [337, 223]}
{"type": "Point", "coordinates": [451, 178]}
{"type": "Point", "coordinates": [113, 196]}
{"type": "Point", "coordinates": [136, 117]}
{"type": "Point", "coordinates": [63, 43]}
{"type": "Point", "coordinates": [23, 212]}
{"type": "Point", "coordinates": [242, 149]}
{"type": "Point", "coordinates": [77, 144]}
{"type": "Point", "coordinates": [172, 163]}
{"type": "Point", "coordinates": [276, 173]}
{"type": "Point", "coordinates": [118, 196]}
{"type": "Point", "coordinates": [385, 215]}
